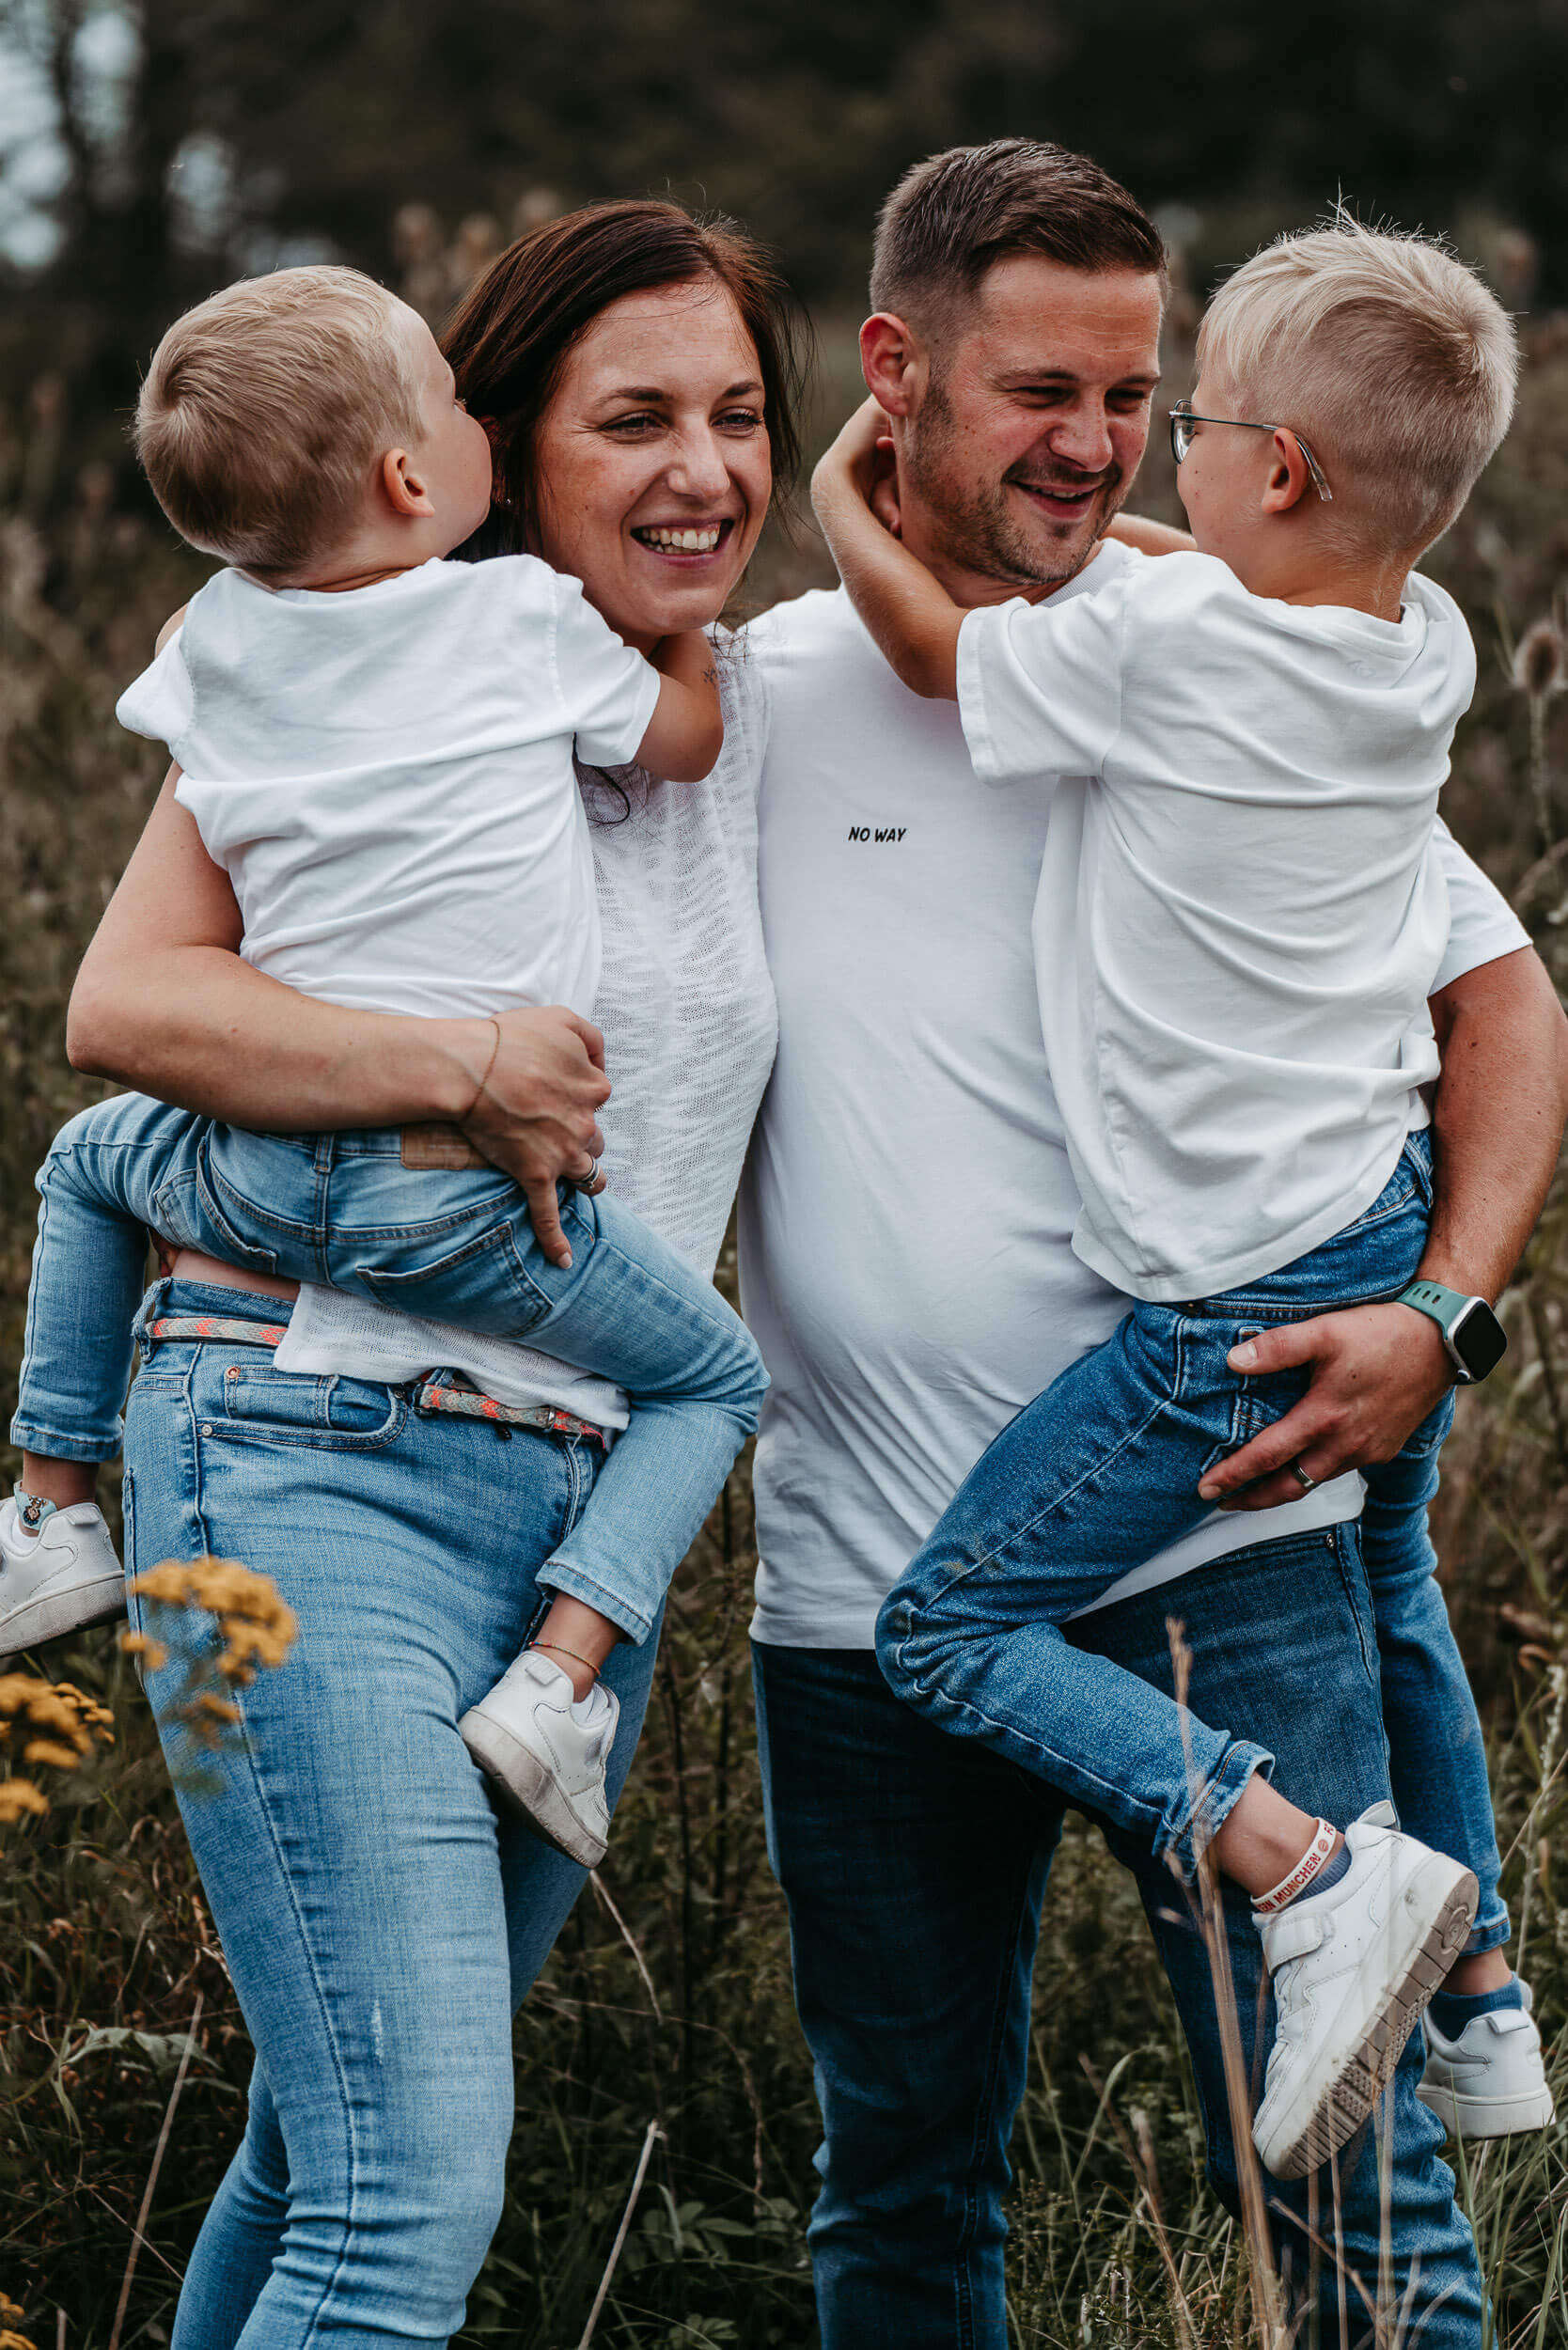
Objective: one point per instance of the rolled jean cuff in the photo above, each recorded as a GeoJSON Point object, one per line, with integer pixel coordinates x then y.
{"type": "Point", "coordinates": [1491, 1930]}
{"type": "Point", "coordinates": [1212, 1804]}
{"type": "Point", "coordinates": [555, 1575]}
{"type": "Point", "coordinates": [55, 1446]}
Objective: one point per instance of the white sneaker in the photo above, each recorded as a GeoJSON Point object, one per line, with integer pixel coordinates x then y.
{"type": "Point", "coordinates": [59, 1579]}
{"type": "Point", "coordinates": [547, 1754]}
{"type": "Point", "coordinates": [1491, 2081]}
{"type": "Point", "coordinates": [1353, 1968]}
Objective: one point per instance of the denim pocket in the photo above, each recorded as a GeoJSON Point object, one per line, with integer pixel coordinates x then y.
{"type": "Point", "coordinates": [332, 1414]}
{"type": "Point", "coordinates": [1408, 1188]}
{"type": "Point", "coordinates": [485, 1285]}
{"type": "Point", "coordinates": [189, 1214]}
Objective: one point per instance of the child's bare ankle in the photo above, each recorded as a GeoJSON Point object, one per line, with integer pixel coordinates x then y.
{"type": "Point", "coordinates": [1481, 1971]}
{"type": "Point", "coordinates": [577, 1638]}
{"type": "Point", "coordinates": [63, 1482]}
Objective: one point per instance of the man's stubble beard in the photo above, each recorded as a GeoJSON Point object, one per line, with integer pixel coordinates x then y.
{"type": "Point", "coordinates": [977, 530]}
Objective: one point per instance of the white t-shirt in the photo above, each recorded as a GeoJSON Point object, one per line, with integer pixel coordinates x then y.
{"type": "Point", "coordinates": [1240, 909]}
{"type": "Point", "coordinates": [385, 775]}
{"type": "Point", "coordinates": [907, 1208]}
{"type": "Point", "coordinates": [687, 1007]}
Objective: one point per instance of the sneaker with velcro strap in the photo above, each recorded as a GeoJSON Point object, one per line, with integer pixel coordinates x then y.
{"type": "Point", "coordinates": [1490, 2081]}
{"type": "Point", "coordinates": [1353, 1968]}
{"type": "Point", "coordinates": [545, 1751]}
{"type": "Point", "coordinates": [58, 1572]}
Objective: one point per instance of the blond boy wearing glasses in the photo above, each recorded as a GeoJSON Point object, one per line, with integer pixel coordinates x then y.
{"type": "Point", "coordinates": [1238, 919]}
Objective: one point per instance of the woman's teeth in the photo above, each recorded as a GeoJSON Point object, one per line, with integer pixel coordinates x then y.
{"type": "Point", "coordinates": [682, 541]}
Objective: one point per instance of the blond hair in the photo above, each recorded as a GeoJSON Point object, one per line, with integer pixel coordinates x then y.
{"type": "Point", "coordinates": [1387, 353]}
{"type": "Point", "coordinates": [265, 408]}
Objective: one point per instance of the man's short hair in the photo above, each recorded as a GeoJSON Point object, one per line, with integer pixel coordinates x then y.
{"type": "Point", "coordinates": [1388, 352]}
{"type": "Point", "coordinates": [950, 219]}
{"type": "Point", "coordinates": [264, 411]}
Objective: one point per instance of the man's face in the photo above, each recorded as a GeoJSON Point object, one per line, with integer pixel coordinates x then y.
{"type": "Point", "coordinates": [1031, 422]}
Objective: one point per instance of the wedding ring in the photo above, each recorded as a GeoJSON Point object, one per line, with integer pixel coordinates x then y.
{"type": "Point", "coordinates": [585, 1182]}
{"type": "Point", "coordinates": [1302, 1479]}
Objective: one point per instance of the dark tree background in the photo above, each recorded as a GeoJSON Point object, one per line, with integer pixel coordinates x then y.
{"type": "Point", "coordinates": [244, 133]}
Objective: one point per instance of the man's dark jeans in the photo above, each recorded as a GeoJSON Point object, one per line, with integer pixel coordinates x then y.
{"type": "Point", "coordinates": [915, 1866]}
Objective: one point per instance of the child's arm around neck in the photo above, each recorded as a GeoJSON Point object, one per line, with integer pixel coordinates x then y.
{"type": "Point", "coordinates": [685, 733]}
{"type": "Point", "coordinates": [910, 614]}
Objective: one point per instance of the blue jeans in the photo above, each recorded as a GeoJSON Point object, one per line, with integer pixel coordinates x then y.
{"type": "Point", "coordinates": [1101, 1472]}
{"type": "Point", "coordinates": [379, 1919]}
{"type": "Point", "coordinates": [915, 1866]}
{"type": "Point", "coordinates": [454, 1246]}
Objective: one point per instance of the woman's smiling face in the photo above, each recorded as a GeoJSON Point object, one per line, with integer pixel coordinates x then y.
{"type": "Point", "coordinates": [653, 460]}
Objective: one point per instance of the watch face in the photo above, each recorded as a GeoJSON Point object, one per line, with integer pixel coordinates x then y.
{"type": "Point", "coordinates": [1477, 1337]}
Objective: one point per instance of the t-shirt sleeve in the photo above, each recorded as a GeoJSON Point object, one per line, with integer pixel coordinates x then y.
{"type": "Point", "coordinates": [607, 692]}
{"type": "Point", "coordinates": [1040, 684]}
{"type": "Point", "coordinates": [159, 703]}
{"type": "Point", "coordinates": [1481, 923]}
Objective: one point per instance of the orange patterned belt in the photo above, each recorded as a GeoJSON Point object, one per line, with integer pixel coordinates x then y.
{"type": "Point", "coordinates": [459, 1396]}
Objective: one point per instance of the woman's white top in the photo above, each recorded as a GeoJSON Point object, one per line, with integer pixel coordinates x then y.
{"type": "Point", "coordinates": [687, 1010]}
{"type": "Point", "coordinates": [1240, 907]}
{"type": "Point", "coordinates": [385, 775]}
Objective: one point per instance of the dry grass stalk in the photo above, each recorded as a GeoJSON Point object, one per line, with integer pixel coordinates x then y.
{"type": "Point", "coordinates": [1540, 671]}
{"type": "Point", "coordinates": [138, 2236]}
{"type": "Point", "coordinates": [1269, 2324]}
{"type": "Point", "coordinates": [653, 2134]}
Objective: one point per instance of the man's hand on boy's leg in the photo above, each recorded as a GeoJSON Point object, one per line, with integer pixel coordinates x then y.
{"type": "Point", "coordinates": [1378, 1372]}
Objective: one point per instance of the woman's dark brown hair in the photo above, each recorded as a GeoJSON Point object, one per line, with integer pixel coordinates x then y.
{"type": "Point", "coordinates": [509, 339]}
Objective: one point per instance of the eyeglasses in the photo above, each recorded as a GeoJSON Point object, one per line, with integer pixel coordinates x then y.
{"type": "Point", "coordinates": [1182, 421]}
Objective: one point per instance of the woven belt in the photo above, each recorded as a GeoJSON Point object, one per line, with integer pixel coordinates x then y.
{"type": "Point", "coordinates": [461, 1397]}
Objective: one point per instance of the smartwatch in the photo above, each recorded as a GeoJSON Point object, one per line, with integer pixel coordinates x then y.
{"type": "Point", "coordinates": [1473, 1336]}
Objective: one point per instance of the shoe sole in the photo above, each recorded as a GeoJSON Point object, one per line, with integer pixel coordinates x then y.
{"type": "Point", "coordinates": [59, 1612]}
{"type": "Point", "coordinates": [1343, 2102]}
{"type": "Point", "coordinates": [528, 1787]}
{"type": "Point", "coordinates": [1473, 2118]}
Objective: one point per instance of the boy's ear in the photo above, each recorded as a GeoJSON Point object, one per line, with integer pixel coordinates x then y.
{"type": "Point", "coordinates": [895, 364]}
{"type": "Point", "coordinates": [404, 485]}
{"type": "Point", "coordinates": [1290, 477]}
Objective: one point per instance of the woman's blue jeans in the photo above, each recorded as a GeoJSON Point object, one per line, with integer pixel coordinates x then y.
{"type": "Point", "coordinates": [1100, 1473]}
{"type": "Point", "coordinates": [379, 1919]}
{"type": "Point", "coordinates": [452, 1247]}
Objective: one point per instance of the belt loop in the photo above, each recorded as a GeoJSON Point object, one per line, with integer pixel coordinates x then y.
{"type": "Point", "coordinates": [151, 1306]}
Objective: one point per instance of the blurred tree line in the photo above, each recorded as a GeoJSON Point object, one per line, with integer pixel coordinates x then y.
{"type": "Point", "coordinates": [198, 139]}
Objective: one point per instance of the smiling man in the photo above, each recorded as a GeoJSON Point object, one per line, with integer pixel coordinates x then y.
{"type": "Point", "coordinates": [907, 1267]}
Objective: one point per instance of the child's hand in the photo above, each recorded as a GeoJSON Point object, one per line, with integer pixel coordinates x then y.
{"type": "Point", "coordinates": [853, 464]}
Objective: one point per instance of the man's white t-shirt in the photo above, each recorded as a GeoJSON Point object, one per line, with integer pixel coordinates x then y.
{"type": "Point", "coordinates": [1240, 907]}
{"type": "Point", "coordinates": [385, 775]}
{"type": "Point", "coordinates": [907, 1208]}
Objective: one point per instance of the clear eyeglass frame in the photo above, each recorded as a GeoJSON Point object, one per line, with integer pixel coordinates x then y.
{"type": "Point", "coordinates": [1182, 418]}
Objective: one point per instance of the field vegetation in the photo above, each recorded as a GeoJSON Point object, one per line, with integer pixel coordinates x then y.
{"type": "Point", "coordinates": [662, 2032]}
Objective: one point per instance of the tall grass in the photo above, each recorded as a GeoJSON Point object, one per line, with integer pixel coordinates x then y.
{"type": "Point", "coordinates": [667, 2006]}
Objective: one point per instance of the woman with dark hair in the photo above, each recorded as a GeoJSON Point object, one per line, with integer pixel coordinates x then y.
{"type": "Point", "coordinates": [637, 372]}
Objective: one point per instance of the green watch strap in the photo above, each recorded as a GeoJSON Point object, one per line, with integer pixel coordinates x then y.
{"type": "Point", "coordinates": [1432, 1298]}
{"type": "Point", "coordinates": [1473, 1337]}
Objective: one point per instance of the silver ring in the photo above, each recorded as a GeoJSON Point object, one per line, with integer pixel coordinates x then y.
{"type": "Point", "coordinates": [585, 1182]}
{"type": "Point", "coordinates": [1301, 1477]}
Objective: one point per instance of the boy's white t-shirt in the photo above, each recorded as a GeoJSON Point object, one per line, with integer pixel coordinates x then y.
{"type": "Point", "coordinates": [385, 775]}
{"type": "Point", "coordinates": [1239, 910]}
{"type": "Point", "coordinates": [907, 1208]}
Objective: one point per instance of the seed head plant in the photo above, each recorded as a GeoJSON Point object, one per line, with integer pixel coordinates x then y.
{"type": "Point", "coordinates": [255, 1625]}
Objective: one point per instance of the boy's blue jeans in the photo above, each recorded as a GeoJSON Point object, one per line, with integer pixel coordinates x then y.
{"type": "Point", "coordinates": [1101, 1472]}
{"type": "Point", "coordinates": [458, 1247]}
